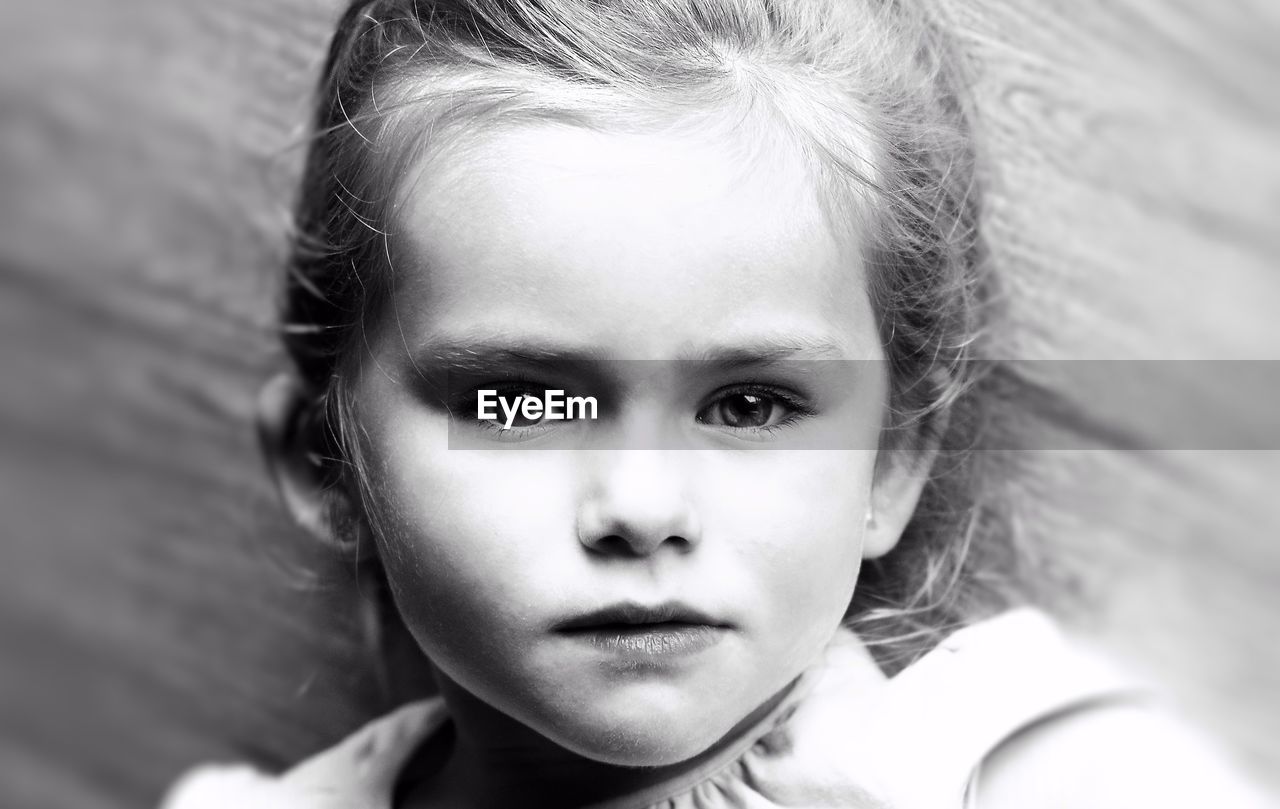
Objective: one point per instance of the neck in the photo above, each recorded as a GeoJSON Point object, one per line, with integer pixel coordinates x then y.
{"type": "Point", "coordinates": [496, 760]}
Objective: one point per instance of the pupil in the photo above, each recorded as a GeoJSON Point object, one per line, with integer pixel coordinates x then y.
{"type": "Point", "coordinates": [746, 410]}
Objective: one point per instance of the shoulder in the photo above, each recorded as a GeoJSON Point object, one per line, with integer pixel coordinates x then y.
{"type": "Point", "coordinates": [1121, 755]}
{"type": "Point", "coordinates": [212, 786]}
{"type": "Point", "coordinates": [1045, 722]}
{"type": "Point", "coordinates": [1013, 712]}
{"type": "Point", "coordinates": [360, 770]}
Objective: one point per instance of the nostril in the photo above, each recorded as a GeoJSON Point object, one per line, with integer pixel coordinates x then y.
{"type": "Point", "coordinates": [680, 542]}
{"type": "Point", "coordinates": [636, 546]}
{"type": "Point", "coordinates": [614, 545]}
{"type": "Point", "coordinates": [617, 522]}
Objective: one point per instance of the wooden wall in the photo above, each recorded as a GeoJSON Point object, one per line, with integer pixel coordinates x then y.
{"type": "Point", "coordinates": [150, 614]}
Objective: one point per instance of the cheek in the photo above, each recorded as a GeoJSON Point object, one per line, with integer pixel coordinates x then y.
{"type": "Point", "coordinates": [470, 538]}
{"type": "Point", "coordinates": [797, 519]}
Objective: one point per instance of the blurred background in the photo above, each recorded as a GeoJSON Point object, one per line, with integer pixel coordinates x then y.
{"type": "Point", "coordinates": [157, 609]}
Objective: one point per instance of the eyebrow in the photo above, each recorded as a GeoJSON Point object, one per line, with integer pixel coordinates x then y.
{"type": "Point", "coordinates": [766, 351]}
{"type": "Point", "coordinates": [483, 355]}
{"type": "Point", "coordinates": [487, 353]}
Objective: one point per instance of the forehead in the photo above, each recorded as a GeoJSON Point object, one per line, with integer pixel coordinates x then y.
{"type": "Point", "coordinates": [638, 245]}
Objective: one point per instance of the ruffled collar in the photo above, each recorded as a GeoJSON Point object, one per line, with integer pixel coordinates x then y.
{"type": "Point", "coordinates": [842, 736]}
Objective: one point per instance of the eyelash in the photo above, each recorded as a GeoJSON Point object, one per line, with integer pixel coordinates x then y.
{"type": "Point", "coordinates": [797, 404]}
{"type": "Point", "coordinates": [512, 433]}
{"type": "Point", "coordinates": [505, 388]}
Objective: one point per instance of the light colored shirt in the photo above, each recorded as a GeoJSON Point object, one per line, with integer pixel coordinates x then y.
{"type": "Point", "coordinates": [914, 741]}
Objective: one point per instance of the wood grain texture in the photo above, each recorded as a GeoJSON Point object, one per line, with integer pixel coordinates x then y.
{"type": "Point", "coordinates": [156, 609]}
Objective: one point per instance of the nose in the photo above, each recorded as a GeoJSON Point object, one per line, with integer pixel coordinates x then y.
{"type": "Point", "coordinates": [637, 502]}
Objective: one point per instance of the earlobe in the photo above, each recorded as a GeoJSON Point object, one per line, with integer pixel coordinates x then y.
{"type": "Point", "coordinates": [894, 497]}
{"type": "Point", "coordinates": [290, 450]}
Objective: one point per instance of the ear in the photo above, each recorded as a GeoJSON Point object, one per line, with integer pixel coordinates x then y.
{"type": "Point", "coordinates": [894, 496]}
{"type": "Point", "coordinates": [291, 451]}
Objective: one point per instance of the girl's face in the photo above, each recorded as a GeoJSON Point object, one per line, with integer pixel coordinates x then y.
{"type": "Point", "coordinates": [631, 587]}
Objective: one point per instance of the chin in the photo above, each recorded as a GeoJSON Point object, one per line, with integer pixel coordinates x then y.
{"type": "Point", "coordinates": [629, 749]}
{"type": "Point", "coordinates": [651, 739]}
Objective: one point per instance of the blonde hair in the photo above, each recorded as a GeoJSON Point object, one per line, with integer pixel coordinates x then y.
{"type": "Point", "coordinates": [865, 90]}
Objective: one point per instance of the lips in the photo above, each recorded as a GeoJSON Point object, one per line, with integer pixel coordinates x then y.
{"type": "Point", "coordinates": [637, 633]}
{"type": "Point", "coordinates": [634, 616]}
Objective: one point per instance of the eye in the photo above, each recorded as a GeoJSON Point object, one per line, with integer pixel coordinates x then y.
{"type": "Point", "coordinates": [751, 408]}
{"type": "Point", "coordinates": [520, 420]}
{"type": "Point", "coordinates": [517, 409]}
{"type": "Point", "coordinates": [514, 394]}
{"type": "Point", "coordinates": [742, 410]}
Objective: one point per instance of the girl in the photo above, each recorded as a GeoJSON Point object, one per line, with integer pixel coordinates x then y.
{"type": "Point", "coordinates": [735, 225]}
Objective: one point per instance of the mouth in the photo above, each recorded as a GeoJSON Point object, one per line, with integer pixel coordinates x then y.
{"type": "Point", "coordinates": [637, 631]}
{"type": "Point", "coordinates": [634, 616]}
